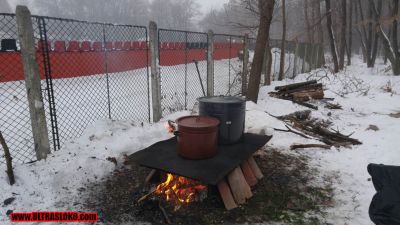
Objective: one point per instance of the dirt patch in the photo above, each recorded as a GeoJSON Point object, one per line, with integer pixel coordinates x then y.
{"type": "Point", "coordinates": [283, 195]}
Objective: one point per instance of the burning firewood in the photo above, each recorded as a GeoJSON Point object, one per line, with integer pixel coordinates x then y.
{"type": "Point", "coordinates": [177, 190]}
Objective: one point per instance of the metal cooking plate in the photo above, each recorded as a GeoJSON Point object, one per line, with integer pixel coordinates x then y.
{"type": "Point", "coordinates": [163, 156]}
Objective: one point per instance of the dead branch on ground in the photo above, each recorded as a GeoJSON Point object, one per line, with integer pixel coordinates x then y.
{"type": "Point", "coordinates": [8, 158]}
{"type": "Point", "coordinates": [297, 146]}
{"type": "Point", "coordinates": [319, 129]}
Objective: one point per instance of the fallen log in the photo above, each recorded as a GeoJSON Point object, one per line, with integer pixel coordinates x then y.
{"type": "Point", "coordinates": [297, 146]}
{"type": "Point", "coordinates": [295, 85]}
{"type": "Point", "coordinates": [304, 88]}
{"type": "Point", "coordinates": [305, 104]}
{"type": "Point", "coordinates": [303, 96]}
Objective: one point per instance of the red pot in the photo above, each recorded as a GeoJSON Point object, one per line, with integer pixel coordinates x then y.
{"type": "Point", "coordinates": [197, 136]}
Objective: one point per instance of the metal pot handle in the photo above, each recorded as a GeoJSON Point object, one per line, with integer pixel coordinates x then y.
{"type": "Point", "coordinates": [174, 126]}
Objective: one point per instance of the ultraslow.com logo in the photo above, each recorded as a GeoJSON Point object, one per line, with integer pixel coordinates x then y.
{"type": "Point", "coordinates": [54, 217]}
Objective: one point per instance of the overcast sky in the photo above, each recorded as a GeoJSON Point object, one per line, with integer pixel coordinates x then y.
{"type": "Point", "coordinates": [211, 4]}
{"type": "Point", "coordinates": [205, 4]}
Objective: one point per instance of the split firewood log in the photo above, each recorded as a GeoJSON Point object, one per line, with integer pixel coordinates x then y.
{"type": "Point", "coordinates": [295, 85]}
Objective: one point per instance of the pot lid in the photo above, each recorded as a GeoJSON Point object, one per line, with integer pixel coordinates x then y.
{"type": "Point", "coordinates": [197, 121]}
{"type": "Point", "coordinates": [221, 99]}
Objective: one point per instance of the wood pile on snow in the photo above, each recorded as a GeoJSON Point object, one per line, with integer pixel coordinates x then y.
{"type": "Point", "coordinates": [300, 93]}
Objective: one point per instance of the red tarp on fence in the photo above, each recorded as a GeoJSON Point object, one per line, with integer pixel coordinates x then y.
{"type": "Point", "coordinates": [67, 64]}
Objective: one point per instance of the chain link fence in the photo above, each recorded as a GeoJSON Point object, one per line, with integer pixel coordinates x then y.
{"type": "Point", "coordinates": [98, 71]}
{"type": "Point", "coordinates": [91, 71]}
{"type": "Point", "coordinates": [228, 64]}
{"type": "Point", "coordinates": [15, 122]}
{"type": "Point", "coordinates": [181, 82]}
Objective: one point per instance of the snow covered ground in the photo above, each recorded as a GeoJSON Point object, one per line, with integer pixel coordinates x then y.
{"type": "Point", "coordinates": [81, 101]}
{"type": "Point", "coordinates": [371, 105]}
{"type": "Point", "coordinates": [55, 184]}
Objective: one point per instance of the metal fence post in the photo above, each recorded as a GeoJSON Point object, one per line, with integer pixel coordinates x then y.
{"type": "Point", "coordinates": [245, 64]}
{"type": "Point", "coordinates": [210, 63]}
{"type": "Point", "coordinates": [32, 82]}
{"type": "Point", "coordinates": [155, 75]}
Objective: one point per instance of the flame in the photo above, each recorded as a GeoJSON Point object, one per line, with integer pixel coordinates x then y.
{"type": "Point", "coordinates": [179, 190]}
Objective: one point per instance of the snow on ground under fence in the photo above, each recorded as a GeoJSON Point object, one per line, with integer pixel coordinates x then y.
{"type": "Point", "coordinates": [81, 101]}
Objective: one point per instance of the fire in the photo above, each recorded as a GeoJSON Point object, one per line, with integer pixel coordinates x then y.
{"type": "Point", "coordinates": [179, 190]}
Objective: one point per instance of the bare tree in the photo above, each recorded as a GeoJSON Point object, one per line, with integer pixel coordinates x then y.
{"type": "Point", "coordinates": [395, 13]}
{"type": "Point", "coordinates": [349, 43]}
{"type": "Point", "coordinates": [342, 49]}
{"type": "Point", "coordinates": [320, 32]}
{"type": "Point", "coordinates": [394, 57]}
{"type": "Point", "coordinates": [375, 32]}
{"type": "Point", "coordinates": [268, 65]}
{"type": "Point", "coordinates": [306, 19]}
{"type": "Point", "coordinates": [282, 60]}
{"type": "Point", "coordinates": [266, 8]}
{"type": "Point", "coordinates": [363, 34]}
{"type": "Point", "coordinates": [331, 36]}
{"type": "Point", "coordinates": [370, 37]}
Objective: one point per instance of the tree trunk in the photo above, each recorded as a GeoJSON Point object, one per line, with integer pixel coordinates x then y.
{"type": "Point", "coordinates": [308, 26]}
{"type": "Point", "coordinates": [366, 45]}
{"type": "Point", "coordinates": [266, 8]}
{"type": "Point", "coordinates": [268, 65]}
{"type": "Point", "coordinates": [296, 58]}
{"type": "Point", "coordinates": [331, 36]}
{"type": "Point", "coordinates": [392, 56]}
{"type": "Point", "coordinates": [282, 61]}
{"type": "Point", "coordinates": [342, 49]}
{"type": "Point", "coordinates": [320, 32]}
{"type": "Point", "coordinates": [394, 28]}
{"type": "Point", "coordinates": [350, 42]}
{"type": "Point", "coordinates": [369, 39]}
{"type": "Point", "coordinates": [376, 35]}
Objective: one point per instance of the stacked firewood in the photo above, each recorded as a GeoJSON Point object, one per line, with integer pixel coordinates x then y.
{"type": "Point", "coordinates": [299, 92]}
